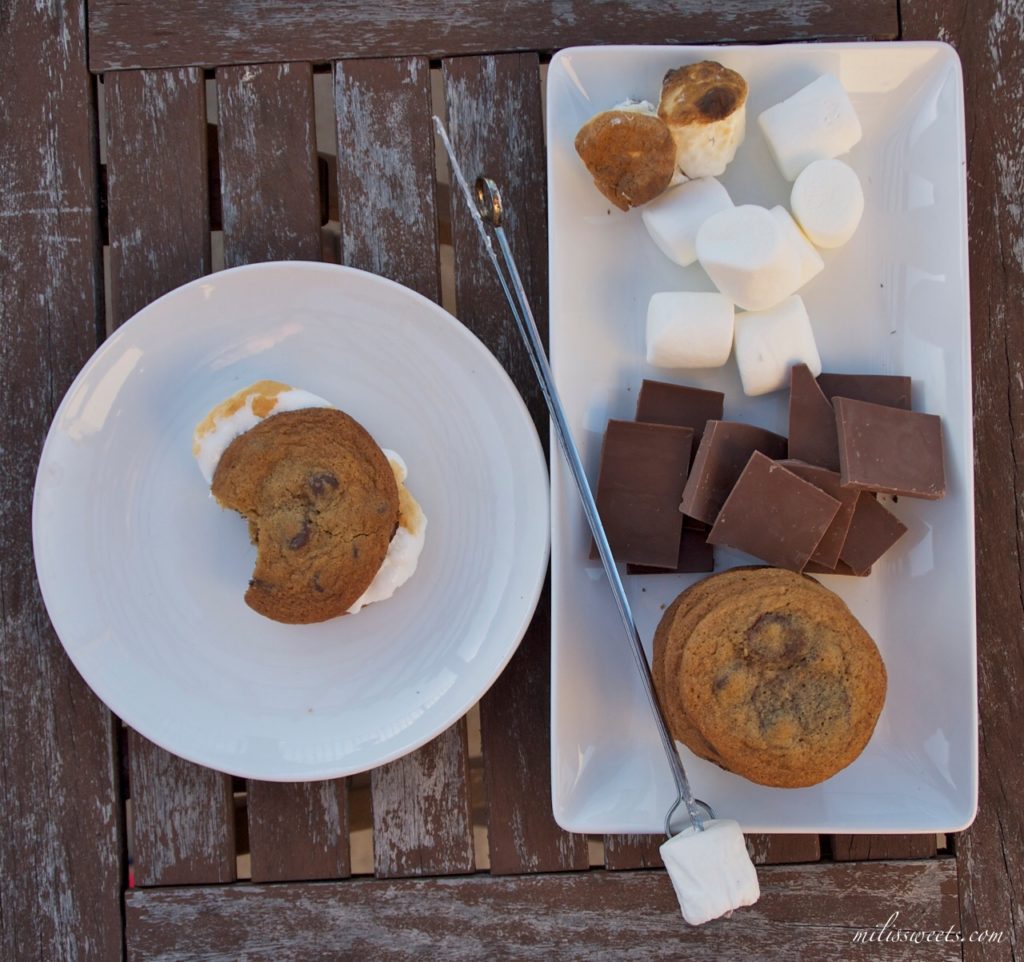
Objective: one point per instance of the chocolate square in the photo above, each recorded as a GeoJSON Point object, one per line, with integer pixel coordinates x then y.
{"type": "Point", "coordinates": [643, 471]}
{"type": "Point", "coordinates": [812, 422]}
{"type": "Point", "coordinates": [841, 568]}
{"type": "Point", "coordinates": [892, 390]}
{"type": "Point", "coordinates": [873, 531]}
{"type": "Point", "coordinates": [831, 544]}
{"type": "Point", "coordinates": [695, 555]}
{"type": "Point", "coordinates": [679, 404]}
{"type": "Point", "coordinates": [888, 449]}
{"type": "Point", "coordinates": [774, 515]}
{"type": "Point", "coordinates": [724, 452]}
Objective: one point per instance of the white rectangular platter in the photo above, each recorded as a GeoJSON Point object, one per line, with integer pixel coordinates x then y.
{"type": "Point", "coordinates": [893, 300]}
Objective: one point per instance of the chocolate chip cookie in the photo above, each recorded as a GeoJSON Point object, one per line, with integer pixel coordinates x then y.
{"type": "Point", "coordinates": [767, 674]}
{"type": "Point", "coordinates": [674, 630]}
{"type": "Point", "coordinates": [322, 505]}
{"type": "Point", "coordinates": [783, 682]}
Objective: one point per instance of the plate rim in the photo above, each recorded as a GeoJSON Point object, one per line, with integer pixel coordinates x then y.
{"type": "Point", "coordinates": [537, 458]}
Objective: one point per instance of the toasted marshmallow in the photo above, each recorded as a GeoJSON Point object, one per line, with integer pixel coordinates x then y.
{"type": "Point", "coordinates": [674, 218]}
{"type": "Point", "coordinates": [811, 263]}
{"type": "Point", "coordinates": [647, 108]}
{"type": "Point", "coordinates": [828, 202]}
{"type": "Point", "coordinates": [748, 256]}
{"type": "Point", "coordinates": [769, 343]}
{"type": "Point", "coordinates": [629, 153]}
{"type": "Point", "coordinates": [710, 870]}
{"type": "Point", "coordinates": [704, 105]}
{"type": "Point", "coordinates": [816, 123]}
{"type": "Point", "coordinates": [688, 329]}
{"type": "Point", "coordinates": [247, 407]}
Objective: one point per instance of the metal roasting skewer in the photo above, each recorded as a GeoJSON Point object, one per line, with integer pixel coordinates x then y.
{"type": "Point", "coordinates": [487, 207]}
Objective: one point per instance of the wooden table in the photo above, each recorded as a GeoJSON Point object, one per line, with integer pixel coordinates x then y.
{"type": "Point", "coordinates": [79, 791]}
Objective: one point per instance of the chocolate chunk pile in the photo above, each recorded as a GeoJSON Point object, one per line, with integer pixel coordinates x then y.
{"type": "Point", "coordinates": [680, 479]}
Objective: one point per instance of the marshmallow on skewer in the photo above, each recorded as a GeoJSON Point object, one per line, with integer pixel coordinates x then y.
{"type": "Point", "coordinates": [674, 218]}
{"type": "Point", "coordinates": [748, 257]}
{"type": "Point", "coordinates": [828, 202]}
{"type": "Point", "coordinates": [769, 343]}
{"type": "Point", "coordinates": [711, 871]}
{"type": "Point", "coordinates": [688, 329]}
{"type": "Point", "coordinates": [817, 122]}
{"type": "Point", "coordinates": [811, 263]}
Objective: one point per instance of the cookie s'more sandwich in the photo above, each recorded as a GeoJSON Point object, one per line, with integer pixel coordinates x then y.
{"type": "Point", "coordinates": [335, 527]}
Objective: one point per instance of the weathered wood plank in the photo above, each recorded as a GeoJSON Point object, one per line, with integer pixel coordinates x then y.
{"type": "Point", "coordinates": [156, 148]}
{"type": "Point", "coordinates": [149, 33]}
{"type": "Point", "coordinates": [641, 851]}
{"type": "Point", "coordinates": [495, 126]}
{"type": "Point", "coordinates": [810, 912]}
{"type": "Point", "coordinates": [182, 818]}
{"type": "Point", "coordinates": [859, 848]}
{"type": "Point", "coordinates": [326, 168]}
{"type": "Point", "coordinates": [494, 121]}
{"type": "Point", "coordinates": [268, 170]}
{"type": "Point", "coordinates": [386, 182]}
{"type": "Point", "coordinates": [271, 210]}
{"type": "Point", "coordinates": [421, 810]}
{"type": "Point", "coordinates": [298, 831]}
{"type": "Point", "coordinates": [61, 845]}
{"type": "Point", "coordinates": [783, 849]}
{"type": "Point", "coordinates": [182, 821]}
{"type": "Point", "coordinates": [989, 37]}
{"type": "Point", "coordinates": [515, 729]}
{"type": "Point", "coordinates": [632, 851]}
{"type": "Point", "coordinates": [421, 807]}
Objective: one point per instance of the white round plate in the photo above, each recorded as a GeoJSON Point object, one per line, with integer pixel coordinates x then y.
{"type": "Point", "coordinates": [143, 573]}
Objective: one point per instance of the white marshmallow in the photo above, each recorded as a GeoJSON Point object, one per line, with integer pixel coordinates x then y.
{"type": "Point", "coordinates": [711, 871]}
{"type": "Point", "coordinates": [674, 218]}
{"type": "Point", "coordinates": [811, 263]}
{"type": "Point", "coordinates": [689, 329]}
{"type": "Point", "coordinates": [746, 253]}
{"type": "Point", "coordinates": [769, 343]}
{"type": "Point", "coordinates": [817, 122]}
{"type": "Point", "coordinates": [828, 202]}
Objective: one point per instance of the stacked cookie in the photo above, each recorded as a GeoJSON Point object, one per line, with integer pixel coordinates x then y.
{"type": "Point", "coordinates": [767, 673]}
